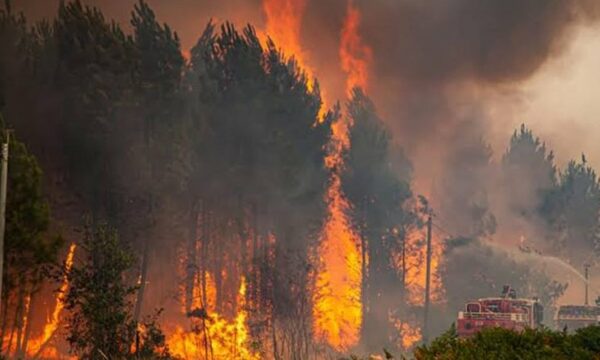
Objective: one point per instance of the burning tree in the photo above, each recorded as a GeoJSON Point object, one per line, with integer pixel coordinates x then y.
{"type": "Point", "coordinates": [379, 212]}
{"type": "Point", "coordinates": [254, 182]}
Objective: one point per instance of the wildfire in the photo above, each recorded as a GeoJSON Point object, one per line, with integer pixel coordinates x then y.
{"type": "Point", "coordinates": [337, 302]}
{"type": "Point", "coordinates": [214, 337]}
{"type": "Point", "coordinates": [355, 55]}
{"type": "Point", "coordinates": [416, 253]}
{"type": "Point", "coordinates": [337, 309]}
{"type": "Point", "coordinates": [409, 335]}
{"type": "Point", "coordinates": [40, 345]}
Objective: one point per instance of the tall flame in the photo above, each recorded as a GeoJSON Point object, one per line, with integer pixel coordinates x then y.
{"type": "Point", "coordinates": [337, 312]}
{"type": "Point", "coordinates": [338, 308]}
{"type": "Point", "coordinates": [409, 335]}
{"type": "Point", "coordinates": [415, 268]}
{"type": "Point", "coordinates": [355, 55]}
{"type": "Point", "coordinates": [283, 25]}
{"type": "Point", "coordinates": [51, 327]}
{"type": "Point", "coordinates": [215, 337]}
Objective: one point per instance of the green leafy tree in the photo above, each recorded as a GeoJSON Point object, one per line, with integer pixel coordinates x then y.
{"type": "Point", "coordinates": [100, 323]}
{"type": "Point", "coordinates": [498, 343]}
{"type": "Point", "coordinates": [28, 247]}
{"type": "Point", "coordinates": [98, 300]}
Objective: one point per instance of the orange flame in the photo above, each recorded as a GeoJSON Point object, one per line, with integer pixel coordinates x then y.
{"type": "Point", "coordinates": [409, 335]}
{"type": "Point", "coordinates": [283, 25]}
{"type": "Point", "coordinates": [215, 337]}
{"type": "Point", "coordinates": [415, 268]}
{"type": "Point", "coordinates": [355, 55]}
{"type": "Point", "coordinates": [50, 328]}
{"type": "Point", "coordinates": [337, 312]}
{"type": "Point", "coordinates": [337, 301]}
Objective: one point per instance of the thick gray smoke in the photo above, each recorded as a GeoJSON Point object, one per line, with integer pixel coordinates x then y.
{"type": "Point", "coordinates": [422, 48]}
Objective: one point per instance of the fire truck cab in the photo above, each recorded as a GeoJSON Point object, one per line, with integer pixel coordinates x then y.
{"type": "Point", "coordinates": [506, 311]}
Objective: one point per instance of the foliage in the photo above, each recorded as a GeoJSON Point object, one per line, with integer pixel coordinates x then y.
{"type": "Point", "coordinates": [100, 322]}
{"type": "Point", "coordinates": [498, 343]}
{"type": "Point", "coordinates": [27, 244]}
{"type": "Point", "coordinates": [528, 173]}
{"type": "Point", "coordinates": [572, 209]}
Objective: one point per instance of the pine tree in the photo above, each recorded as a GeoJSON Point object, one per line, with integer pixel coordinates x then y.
{"type": "Point", "coordinates": [378, 196]}
{"type": "Point", "coordinates": [571, 209]}
{"type": "Point", "coordinates": [528, 173]}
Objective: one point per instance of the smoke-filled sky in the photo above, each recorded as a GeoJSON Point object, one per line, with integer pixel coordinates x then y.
{"type": "Point", "coordinates": [494, 64]}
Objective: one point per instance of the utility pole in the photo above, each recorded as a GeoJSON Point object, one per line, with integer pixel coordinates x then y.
{"type": "Point", "coordinates": [3, 185]}
{"type": "Point", "coordinates": [427, 282]}
{"type": "Point", "coordinates": [586, 267]}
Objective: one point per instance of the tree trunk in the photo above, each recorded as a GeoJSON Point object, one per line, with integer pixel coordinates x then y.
{"type": "Point", "coordinates": [14, 328]}
{"type": "Point", "coordinates": [143, 278]}
{"type": "Point", "coordinates": [22, 350]}
{"type": "Point", "coordinates": [20, 324]}
{"type": "Point", "coordinates": [204, 250]}
{"type": "Point", "coordinates": [218, 270]}
{"type": "Point", "coordinates": [243, 235]}
{"type": "Point", "coordinates": [191, 260]}
{"type": "Point", "coordinates": [4, 318]}
{"type": "Point", "coordinates": [254, 271]}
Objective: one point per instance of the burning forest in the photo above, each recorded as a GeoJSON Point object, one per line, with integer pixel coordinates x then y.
{"type": "Point", "coordinates": [286, 179]}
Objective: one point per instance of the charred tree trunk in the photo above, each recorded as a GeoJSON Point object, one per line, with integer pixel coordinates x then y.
{"type": "Point", "coordinates": [204, 250]}
{"type": "Point", "coordinates": [218, 269]}
{"type": "Point", "coordinates": [143, 278]}
{"type": "Point", "coordinates": [254, 271]}
{"type": "Point", "coordinates": [191, 268]}
{"type": "Point", "coordinates": [145, 260]}
{"type": "Point", "coordinates": [30, 313]}
{"type": "Point", "coordinates": [243, 235]}
{"type": "Point", "coordinates": [20, 318]}
{"type": "Point", "coordinates": [14, 328]}
{"type": "Point", "coordinates": [4, 318]}
{"type": "Point", "coordinates": [22, 344]}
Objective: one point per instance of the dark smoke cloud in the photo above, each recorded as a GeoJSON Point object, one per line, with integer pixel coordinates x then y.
{"type": "Point", "coordinates": [496, 40]}
{"type": "Point", "coordinates": [423, 49]}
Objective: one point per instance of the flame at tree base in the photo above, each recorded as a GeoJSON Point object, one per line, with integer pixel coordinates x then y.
{"type": "Point", "coordinates": [41, 347]}
{"type": "Point", "coordinates": [214, 337]}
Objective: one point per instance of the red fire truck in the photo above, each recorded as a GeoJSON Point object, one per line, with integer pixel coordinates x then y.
{"type": "Point", "coordinates": [506, 311]}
